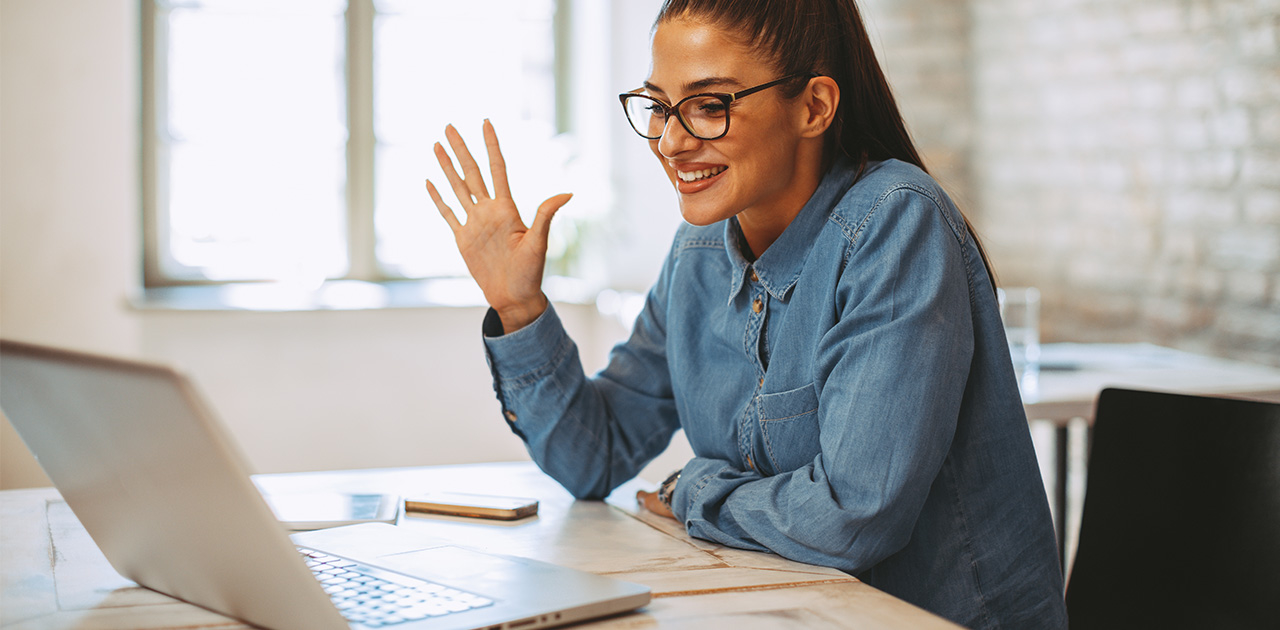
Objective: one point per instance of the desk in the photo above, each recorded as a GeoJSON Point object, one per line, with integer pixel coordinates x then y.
{"type": "Point", "coordinates": [1059, 400]}
{"type": "Point", "coordinates": [52, 576]}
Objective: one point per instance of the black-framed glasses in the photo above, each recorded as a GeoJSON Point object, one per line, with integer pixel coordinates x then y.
{"type": "Point", "coordinates": [704, 116]}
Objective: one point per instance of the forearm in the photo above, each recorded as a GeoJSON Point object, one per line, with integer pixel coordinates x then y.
{"type": "Point", "coordinates": [795, 514]}
{"type": "Point", "coordinates": [591, 435]}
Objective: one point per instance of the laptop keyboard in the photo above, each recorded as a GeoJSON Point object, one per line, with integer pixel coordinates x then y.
{"type": "Point", "coordinates": [376, 598]}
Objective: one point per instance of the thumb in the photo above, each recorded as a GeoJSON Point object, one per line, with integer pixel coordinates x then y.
{"type": "Point", "coordinates": [542, 221]}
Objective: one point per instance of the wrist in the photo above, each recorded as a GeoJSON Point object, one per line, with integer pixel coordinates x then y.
{"type": "Point", "coordinates": [518, 316]}
{"type": "Point", "coordinates": [668, 488]}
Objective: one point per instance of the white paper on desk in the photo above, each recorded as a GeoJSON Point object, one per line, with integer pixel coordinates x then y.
{"type": "Point", "coordinates": [305, 511]}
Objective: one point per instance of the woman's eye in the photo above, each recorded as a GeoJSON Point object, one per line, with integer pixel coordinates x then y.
{"type": "Point", "coordinates": [711, 108]}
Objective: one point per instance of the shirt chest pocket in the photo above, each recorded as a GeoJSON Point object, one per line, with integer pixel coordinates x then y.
{"type": "Point", "coordinates": [789, 427]}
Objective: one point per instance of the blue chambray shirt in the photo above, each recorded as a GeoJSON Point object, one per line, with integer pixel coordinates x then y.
{"type": "Point", "coordinates": [849, 397]}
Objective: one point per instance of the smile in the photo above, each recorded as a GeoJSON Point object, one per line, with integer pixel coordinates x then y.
{"type": "Point", "coordinates": [693, 176]}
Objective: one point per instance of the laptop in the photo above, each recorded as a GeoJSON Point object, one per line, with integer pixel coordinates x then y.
{"type": "Point", "coordinates": [162, 489]}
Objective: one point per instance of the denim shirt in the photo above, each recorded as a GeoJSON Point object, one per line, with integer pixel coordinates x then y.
{"type": "Point", "coordinates": [849, 397]}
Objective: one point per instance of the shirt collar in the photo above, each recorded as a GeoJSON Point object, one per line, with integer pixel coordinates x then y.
{"type": "Point", "coordinates": [780, 266]}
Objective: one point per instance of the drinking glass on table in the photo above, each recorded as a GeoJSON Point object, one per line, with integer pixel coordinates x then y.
{"type": "Point", "coordinates": [1020, 311]}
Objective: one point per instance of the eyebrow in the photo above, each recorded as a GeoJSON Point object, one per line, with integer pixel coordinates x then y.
{"type": "Point", "coordinates": [699, 85]}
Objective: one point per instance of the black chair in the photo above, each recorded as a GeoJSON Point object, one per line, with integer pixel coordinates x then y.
{"type": "Point", "coordinates": [1181, 523]}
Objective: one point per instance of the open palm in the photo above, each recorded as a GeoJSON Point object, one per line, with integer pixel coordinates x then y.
{"type": "Point", "coordinates": [505, 257]}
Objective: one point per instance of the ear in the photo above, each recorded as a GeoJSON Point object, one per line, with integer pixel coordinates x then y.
{"type": "Point", "coordinates": [820, 99]}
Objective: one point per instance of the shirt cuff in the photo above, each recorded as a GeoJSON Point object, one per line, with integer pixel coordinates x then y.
{"type": "Point", "coordinates": [526, 350]}
{"type": "Point", "coordinates": [695, 475]}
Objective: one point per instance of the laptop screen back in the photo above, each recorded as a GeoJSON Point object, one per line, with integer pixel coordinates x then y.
{"type": "Point", "coordinates": [157, 483]}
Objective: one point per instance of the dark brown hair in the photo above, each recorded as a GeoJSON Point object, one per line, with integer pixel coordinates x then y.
{"type": "Point", "coordinates": [825, 37]}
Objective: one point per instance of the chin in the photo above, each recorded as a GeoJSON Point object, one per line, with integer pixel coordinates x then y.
{"type": "Point", "coordinates": [701, 216]}
{"type": "Point", "coordinates": [704, 208]}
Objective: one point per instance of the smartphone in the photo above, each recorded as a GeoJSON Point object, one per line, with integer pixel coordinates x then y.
{"type": "Point", "coordinates": [303, 511]}
{"type": "Point", "coordinates": [472, 505]}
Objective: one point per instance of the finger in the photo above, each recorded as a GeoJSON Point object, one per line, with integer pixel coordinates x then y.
{"type": "Point", "coordinates": [455, 181]}
{"type": "Point", "coordinates": [470, 170]}
{"type": "Point", "coordinates": [655, 504]}
{"type": "Point", "coordinates": [643, 498]}
{"type": "Point", "coordinates": [444, 209]}
{"type": "Point", "coordinates": [541, 226]}
{"type": "Point", "coordinates": [497, 165]}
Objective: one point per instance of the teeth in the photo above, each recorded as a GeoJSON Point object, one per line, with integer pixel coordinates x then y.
{"type": "Point", "coordinates": [693, 176]}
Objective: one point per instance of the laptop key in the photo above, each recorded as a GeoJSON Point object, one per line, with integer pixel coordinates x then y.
{"type": "Point", "coordinates": [376, 599]}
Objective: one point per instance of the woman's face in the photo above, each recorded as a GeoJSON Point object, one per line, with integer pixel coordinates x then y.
{"type": "Point", "coordinates": [753, 168]}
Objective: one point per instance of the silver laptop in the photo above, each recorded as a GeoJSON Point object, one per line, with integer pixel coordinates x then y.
{"type": "Point", "coordinates": [163, 491]}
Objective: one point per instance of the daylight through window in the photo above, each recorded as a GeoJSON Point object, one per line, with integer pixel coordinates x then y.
{"type": "Point", "coordinates": [289, 139]}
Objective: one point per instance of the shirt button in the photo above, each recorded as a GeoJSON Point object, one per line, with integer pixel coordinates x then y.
{"type": "Point", "coordinates": [754, 277]}
{"type": "Point", "coordinates": [757, 305]}
{"type": "Point", "coordinates": [511, 416]}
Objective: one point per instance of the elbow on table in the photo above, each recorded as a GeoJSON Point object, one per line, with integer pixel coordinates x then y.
{"type": "Point", "coordinates": [587, 494]}
{"type": "Point", "coordinates": [842, 542]}
{"type": "Point", "coordinates": [582, 487]}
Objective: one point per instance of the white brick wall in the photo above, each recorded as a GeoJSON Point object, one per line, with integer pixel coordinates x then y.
{"type": "Point", "coordinates": [1122, 155]}
{"type": "Point", "coordinates": [923, 46]}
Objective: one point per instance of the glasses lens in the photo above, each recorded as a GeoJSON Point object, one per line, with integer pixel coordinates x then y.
{"type": "Point", "coordinates": [707, 116]}
{"type": "Point", "coordinates": [647, 116]}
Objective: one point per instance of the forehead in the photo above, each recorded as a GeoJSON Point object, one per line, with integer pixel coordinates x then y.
{"type": "Point", "coordinates": [688, 51]}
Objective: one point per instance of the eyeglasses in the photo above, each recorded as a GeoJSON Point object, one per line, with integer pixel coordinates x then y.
{"type": "Point", "coordinates": [704, 116]}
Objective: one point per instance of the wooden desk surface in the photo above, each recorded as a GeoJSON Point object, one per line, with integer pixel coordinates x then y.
{"type": "Point", "coordinates": [52, 575]}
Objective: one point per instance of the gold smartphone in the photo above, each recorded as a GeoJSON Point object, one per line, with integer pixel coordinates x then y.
{"type": "Point", "coordinates": [472, 505]}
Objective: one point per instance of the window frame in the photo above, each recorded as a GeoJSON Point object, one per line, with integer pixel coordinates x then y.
{"type": "Point", "coordinates": [361, 144]}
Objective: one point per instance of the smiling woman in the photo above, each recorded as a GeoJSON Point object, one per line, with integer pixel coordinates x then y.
{"type": "Point", "coordinates": [824, 329]}
{"type": "Point", "coordinates": [770, 165]}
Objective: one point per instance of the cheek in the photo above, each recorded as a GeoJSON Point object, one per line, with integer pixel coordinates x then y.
{"type": "Point", "coordinates": [773, 155]}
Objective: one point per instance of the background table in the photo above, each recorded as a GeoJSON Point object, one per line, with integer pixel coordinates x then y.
{"type": "Point", "coordinates": [1060, 396]}
{"type": "Point", "coordinates": [52, 576]}
{"type": "Point", "coordinates": [1072, 374]}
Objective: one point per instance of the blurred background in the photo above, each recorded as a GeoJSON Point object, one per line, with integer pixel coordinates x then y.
{"type": "Point", "coordinates": [235, 187]}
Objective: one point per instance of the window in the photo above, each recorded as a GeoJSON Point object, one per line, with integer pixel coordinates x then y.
{"type": "Point", "coordinates": [288, 140]}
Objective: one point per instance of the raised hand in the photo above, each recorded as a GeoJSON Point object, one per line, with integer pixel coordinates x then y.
{"type": "Point", "coordinates": [505, 257]}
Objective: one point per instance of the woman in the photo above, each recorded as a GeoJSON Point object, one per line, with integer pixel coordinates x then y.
{"type": "Point", "coordinates": [824, 328]}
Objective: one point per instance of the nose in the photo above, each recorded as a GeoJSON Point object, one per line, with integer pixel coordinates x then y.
{"type": "Point", "coordinates": [675, 139]}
